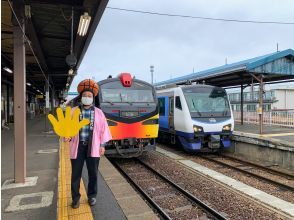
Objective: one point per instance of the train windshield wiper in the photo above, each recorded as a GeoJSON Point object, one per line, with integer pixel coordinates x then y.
{"type": "Point", "coordinates": [196, 108]}
{"type": "Point", "coordinates": [198, 112]}
{"type": "Point", "coordinates": [121, 98]}
{"type": "Point", "coordinates": [129, 103]}
{"type": "Point", "coordinates": [111, 103]}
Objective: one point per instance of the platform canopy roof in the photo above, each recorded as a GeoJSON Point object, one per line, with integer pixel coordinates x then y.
{"type": "Point", "coordinates": [273, 67]}
{"type": "Point", "coordinates": [48, 28]}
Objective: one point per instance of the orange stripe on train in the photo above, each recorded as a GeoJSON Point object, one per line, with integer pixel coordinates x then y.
{"type": "Point", "coordinates": [134, 130]}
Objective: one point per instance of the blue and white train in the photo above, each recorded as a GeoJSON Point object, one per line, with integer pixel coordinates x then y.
{"type": "Point", "coordinates": [198, 116]}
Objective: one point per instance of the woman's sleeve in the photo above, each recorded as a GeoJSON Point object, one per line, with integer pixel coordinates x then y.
{"type": "Point", "coordinates": [105, 132]}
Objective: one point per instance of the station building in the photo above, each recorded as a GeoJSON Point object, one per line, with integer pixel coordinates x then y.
{"type": "Point", "coordinates": [275, 98]}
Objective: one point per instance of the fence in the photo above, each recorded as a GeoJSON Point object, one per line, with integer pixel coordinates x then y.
{"type": "Point", "coordinates": [280, 118]}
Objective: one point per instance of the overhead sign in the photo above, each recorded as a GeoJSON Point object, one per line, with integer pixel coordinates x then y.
{"type": "Point", "coordinates": [39, 96]}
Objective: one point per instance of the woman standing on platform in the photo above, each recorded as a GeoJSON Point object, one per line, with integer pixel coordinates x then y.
{"type": "Point", "coordinates": [89, 144]}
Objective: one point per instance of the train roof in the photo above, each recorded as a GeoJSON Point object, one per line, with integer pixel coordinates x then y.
{"type": "Point", "coordinates": [186, 86]}
{"type": "Point", "coordinates": [126, 79]}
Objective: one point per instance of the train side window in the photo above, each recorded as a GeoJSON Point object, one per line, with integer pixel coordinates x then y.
{"type": "Point", "coordinates": [161, 103]}
{"type": "Point", "coordinates": [178, 103]}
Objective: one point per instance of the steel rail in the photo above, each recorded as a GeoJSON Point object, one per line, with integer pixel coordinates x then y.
{"type": "Point", "coordinates": [162, 213]}
{"type": "Point", "coordinates": [191, 197]}
{"type": "Point", "coordinates": [286, 175]}
{"type": "Point", "coordinates": [249, 173]}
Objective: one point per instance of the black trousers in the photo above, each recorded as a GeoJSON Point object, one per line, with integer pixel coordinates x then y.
{"type": "Point", "coordinates": [76, 175]}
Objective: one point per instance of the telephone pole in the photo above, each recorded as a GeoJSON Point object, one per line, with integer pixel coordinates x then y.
{"type": "Point", "coordinates": [152, 71]}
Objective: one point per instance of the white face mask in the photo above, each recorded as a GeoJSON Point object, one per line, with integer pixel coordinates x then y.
{"type": "Point", "coordinates": [87, 100]}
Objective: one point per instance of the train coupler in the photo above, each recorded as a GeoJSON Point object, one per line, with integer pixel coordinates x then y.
{"type": "Point", "coordinates": [214, 142]}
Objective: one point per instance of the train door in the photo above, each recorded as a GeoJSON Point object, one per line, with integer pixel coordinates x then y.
{"type": "Point", "coordinates": [171, 125]}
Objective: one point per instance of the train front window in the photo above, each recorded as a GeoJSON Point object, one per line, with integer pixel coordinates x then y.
{"type": "Point", "coordinates": [206, 102]}
{"type": "Point", "coordinates": [124, 95]}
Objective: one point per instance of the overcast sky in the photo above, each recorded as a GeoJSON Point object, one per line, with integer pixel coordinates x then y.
{"type": "Point", "coordinates": [131, 42]}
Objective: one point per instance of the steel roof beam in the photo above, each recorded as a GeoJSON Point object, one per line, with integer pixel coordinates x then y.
{"type": "Point", "coordinates": [32, 34]}
{"type": "Point", "coordinates": [50, 75]}
{"type": "Point", "coordinates": [52, 36]}
{"type": "Point", "coordinates": [55, 2]}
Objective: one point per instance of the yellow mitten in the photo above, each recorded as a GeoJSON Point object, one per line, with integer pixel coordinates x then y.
{"type": "Point", "coordinates": [67, 126]}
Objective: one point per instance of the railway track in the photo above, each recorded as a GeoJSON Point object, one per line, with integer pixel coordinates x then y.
{"type": "Point", "coordinates": [272, 176]}
{"type": "Point", "coordinates": [169, 199]}
{"type": "Point", "coordinates": [281, 179]}
{"type": "Point", "coordinates": [270, 180]}
{"type": "Point", "coordinates": [270, 168]}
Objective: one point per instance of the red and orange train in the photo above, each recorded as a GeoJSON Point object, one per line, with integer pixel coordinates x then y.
{"type": "Point", "coordinates": [131, 108]}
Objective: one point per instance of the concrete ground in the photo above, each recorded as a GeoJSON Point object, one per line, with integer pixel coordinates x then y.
{"type": "Point", "coordinates": [276, 132]}
{"type": "Point", "coordinates": [106, 206]}
{"type": "Point", "coordinates": [44, 166]}
{"type": "Point", "coordinates": [44, 193]}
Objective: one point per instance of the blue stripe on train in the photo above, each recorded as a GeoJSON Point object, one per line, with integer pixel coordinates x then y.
{"type": "Point", "coordinates": [187, 134]}
{"type": "Point", "coordinates": [190, 146]}
{"type": "Point", "coordinates": [226, 143]}
{"type": "Point", "coordinates": [163, 122]}
{"type": "Point", "coordinates": [163, 119]}
{"type": "Point", "coordinates": [196, 145]}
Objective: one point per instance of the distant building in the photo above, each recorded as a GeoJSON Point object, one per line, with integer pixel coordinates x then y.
{"type": "Point", "coordinates": [278, 98]}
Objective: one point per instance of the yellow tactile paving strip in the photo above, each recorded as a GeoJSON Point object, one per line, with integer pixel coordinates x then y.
{"type": "Point", "coordinates": [64, 209]}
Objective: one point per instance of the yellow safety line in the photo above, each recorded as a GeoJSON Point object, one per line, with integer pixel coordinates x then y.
{"type": "Point", "coordinates": [276, 135]}
{"type": "Point", "coordinates": [64, 209]}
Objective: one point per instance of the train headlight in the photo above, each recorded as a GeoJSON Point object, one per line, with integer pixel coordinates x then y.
{"type": "Point", "coordinates": [197, 129]}
{"type": "Point", "coordinates": [227, 127]}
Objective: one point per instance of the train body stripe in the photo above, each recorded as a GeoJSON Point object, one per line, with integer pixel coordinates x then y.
{"type": "Point", "coordinates": [134, 130]}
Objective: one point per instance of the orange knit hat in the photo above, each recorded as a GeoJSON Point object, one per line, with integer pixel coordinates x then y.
{"type": "Point", "coordinates": [88, 85]}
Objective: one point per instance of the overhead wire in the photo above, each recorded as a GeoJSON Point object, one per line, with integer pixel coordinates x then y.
{"type": "Point", "coordinates": [29, 43]}
{"type": "Point", "coordinates": [63, 15]}
{"type": "Point", "coordinates": [200, 17]}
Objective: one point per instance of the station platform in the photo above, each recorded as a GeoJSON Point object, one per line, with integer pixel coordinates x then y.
{"type": "Point", "coordinates": [36, 200]}
{"type": "Point", "coordinates": [46, 194]}
{"type": "Point", "coordinates": [270, 132]}
{"type": "Point", "coordinates": [275, 147]}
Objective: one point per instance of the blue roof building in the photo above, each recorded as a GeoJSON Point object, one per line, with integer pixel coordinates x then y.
{"type": "Point", "coordinates": [272, 67]}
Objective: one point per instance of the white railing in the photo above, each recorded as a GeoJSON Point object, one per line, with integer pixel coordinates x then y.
{"type": "Point", "coordinates": [280, 118]}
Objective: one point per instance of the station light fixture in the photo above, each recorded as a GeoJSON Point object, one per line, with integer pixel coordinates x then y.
{"type": "Point", "coordinates": [29, 84]}
{"type": "Point", "coordinates": [70, 72]}
{"type": "Point", "coordinates": [84, 24]}
{"type": "Point", "coordinates": [8, 69]}
{"type": "Point", "coordinates": [67, 84]}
